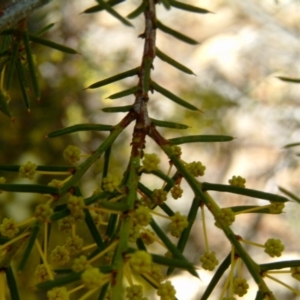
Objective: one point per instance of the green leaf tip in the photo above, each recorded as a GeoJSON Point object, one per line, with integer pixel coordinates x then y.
{"type": "Point", "coordinates": [44, 29]}
{"type": "Point", "coordinates": [23, 83]}
{"type": "Point", "coordinates": [175, 33]}
{"type": "Point", "coordinates": [287, 79]}
{"type": "Point", "coordinates": [31, 66]}
{"type": "Point", "coordinates": [114, 78]}
{"type": "Point", "coordinates": [167, 124]}
{"type": "Point", "coordinates": [173, 62]}
{"type": "Point", "coordinates": [173, 97]}
{"type": "Point", "coordinates": [243, 191]}
{"type": "Point", "coordinates": [80, 127]}
{"type": "Point", "coordinates": [124, 93]}
{"type": "Point", "coordinates": [116, 109]}
{"type": "Point", "coordinates": [99, 7]}
{"type": "Point", "coordinates": [291, 145]}
{"type": "Point", "coordinates": [11, 65]}
{"type": "Point", "coordinates": [114, 13]}
{"type": "Point", "coordinates": [139, 10]}
{"type": "Point", "coordinates": [52, 45]}
{"type": "Point", "coordinates": [200, 139]}
{"type": "Point", "coordinates": [190, 8]}
{"type": "Point", "coordinates": [289, 194]}
{"type": "Point", "coordinates": [166, 4]}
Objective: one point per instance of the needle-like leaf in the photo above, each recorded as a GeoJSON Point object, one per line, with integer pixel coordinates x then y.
{"type": "Point", "coordinates": [188, 7]}
{"type": "Point", "coordinates": [114, 78]}
{"type": "Point", "coordinates": [173, 62]}
{"type": "Point", "coordinates": [288, 79]}
{"type": "Point", "coordinates": [200, 139]}
{"type": "Point", "coordinates": [176, 34]}
{"type": "Point", "coordinates": [173, 97]}
{"type": "Point", "coordinates": [79, 127]}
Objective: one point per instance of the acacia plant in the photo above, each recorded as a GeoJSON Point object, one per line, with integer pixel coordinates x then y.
{"type": "Point", "coordinates": [96, 245]}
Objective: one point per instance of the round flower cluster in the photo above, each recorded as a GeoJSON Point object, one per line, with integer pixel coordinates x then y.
{"type": "Point", "coordinates": [56, 293]}
{"type": "Point", "coordinates": [74, 244]}
{"type": "Point", "coordinates": [135, 292]}
{"type": "Point", "coordinates": [159, 196]}
{"type": "Point", "coordinates": [134, 233]}
{"type": "Point", "coordinates": [148, 237]}
{"type": "Point", "coordinates": [147, 201]}
{"type": "Point", "coordinates": [156, 273]}
{"type": "Point", "coordinates": [150, 162]}
{"type": "Point", "coordinates": [276, 207]}
{"type": "Point", "coordinates": [274, 247]}
{"type": "Point", "coordinates": [296, 272]}
{"type": "Point", "coordinates": [196, 168]}
{"type": "Point", "coordinates": [110, 183]}
{"type": "Point", "coordinates": [177, 150]}
{"type": "Point", "coordinates": [72, 154]}
{"type": "Point", "coordinates": [209, 260]}
{"type": "Point", "coordinates": [81, 263]}
{"type": "Point", "coordinates": [9, 228]}
{"type": "Point", "coordinates": [60, 255]}
{"type": "Point", "coordinates": [92, 278]}
{"type": "Point", "coordinates": [27, 170]}
{"type": "Point", "coordinates": [237, 181]}
{"type": "Point", "coordinates": [166, 291]}
{"type": "Point", "coordinates": [65, 224]}
{"type": "Point", "coordinates": [141, 261]}
{"type": "Point", "coordinates": [226, 215]}
{"type": "Point", "coordinates": [76, 205]}
{"type": "Point", "coordinates": [178, 224]}
{"type": "Point", "coordinates": [142, 216]}
{"type": "Point", "coordinates": [41, 273]}
{"type": "Point", "coordinates": [240, 286]}
{"type": "Point", "coordinates": [176, 192]}
{"type": "Point", "coordinates": [43, 213]}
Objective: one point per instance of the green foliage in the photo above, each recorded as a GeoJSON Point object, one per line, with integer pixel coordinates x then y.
{"type": "Point", "coordinates": [96, 244]}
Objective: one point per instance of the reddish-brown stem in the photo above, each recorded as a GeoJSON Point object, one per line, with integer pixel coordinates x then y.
{"type": "Point", "coordinates": [156, 136]}
{"type": "Point", "coordinates": [143, 121]}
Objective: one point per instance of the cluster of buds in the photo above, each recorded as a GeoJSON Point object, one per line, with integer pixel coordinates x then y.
{"type": "Point", "coordinates": [196, 168]}
{"type": "Point", "coordinates": [178, 224]}
{"type": "Point", "coordinates": [76, 205]}
{"type": "Point", "coordinates": [43, 213]}
{"type": "Point", "coordinates": [209, 260]}
{"type": "Point", "coordinates": [138, 262]}
{"type": "Point", "coordinates": [110, 183]}
{"type": "Point", "coordinates": [150, 162]}
{"type": "Point", "coordinates": [72, 154]}
{"type": "Point", "coordinates": [225, 215]}
{"type": "Point", "coordinates": [274, 247]}
{"type": "Point", "coordinates": [28, 170]}
{"type": "Point", "coordinates": [237, 181]}
{"type": "Point", "coordinates": [8, 228]}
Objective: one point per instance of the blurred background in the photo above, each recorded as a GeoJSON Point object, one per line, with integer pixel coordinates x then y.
{"type": "Point", "coordinates": [243, 47]}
